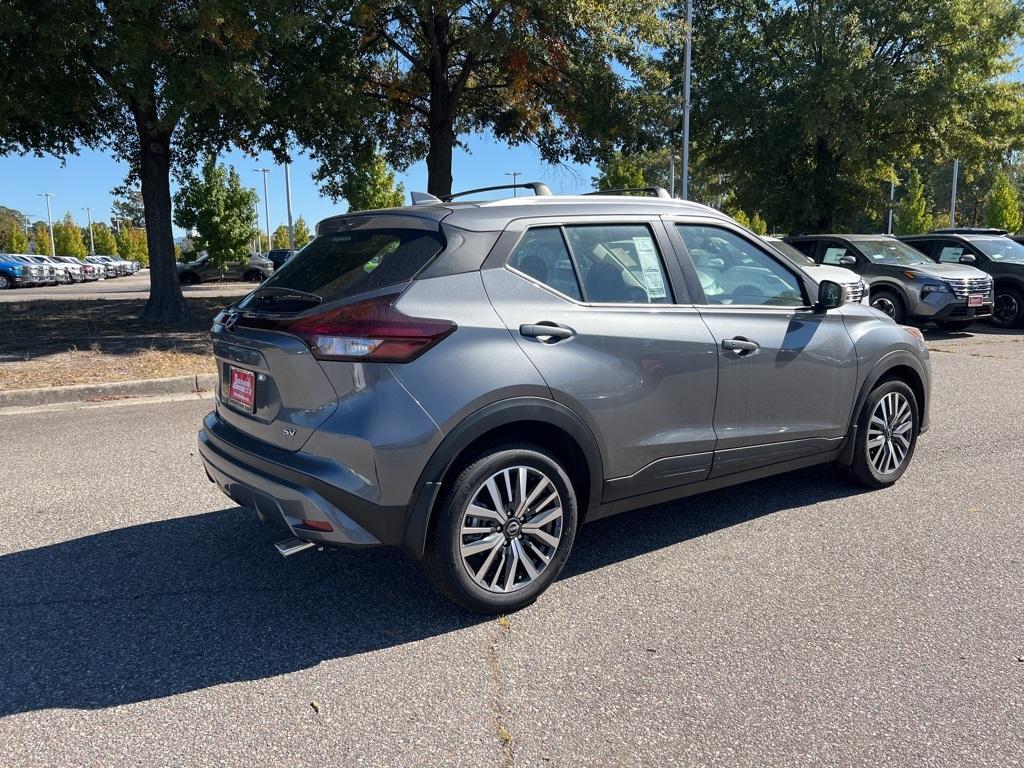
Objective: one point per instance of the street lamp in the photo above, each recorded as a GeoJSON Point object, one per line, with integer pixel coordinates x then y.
{"type": "Point", "coordinates": [259, 235]}
{"type": "Point", "coordinates": [92, 243]}
{"type": "Point", "coordinates": [515, 176]}
{"type": "Point", "coordinates": [952, 197]}
{"type": "Point", "coordinates": [288, 201]}
{"type": "Point", "coordinates": [686, 102]}
{"type": "Point", "coordinates": [266, 201]}
{"type": "Point", "coordinates": [49, 220]}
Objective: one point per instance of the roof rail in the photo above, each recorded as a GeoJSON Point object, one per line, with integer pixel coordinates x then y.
{"type": "Point", "coordinates": [969, 231]}
{"type": "Point", "coordinates": [423, 198]}
{"type": "Point", "coordinates": [655, 191]}
{"type": "Point", "coordinates": [540, 189]}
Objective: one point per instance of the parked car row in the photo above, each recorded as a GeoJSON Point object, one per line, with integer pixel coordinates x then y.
{"type": "Point", "coordinates": [28, 270]}
{"type": "Point", "coordinates": [203, 269]}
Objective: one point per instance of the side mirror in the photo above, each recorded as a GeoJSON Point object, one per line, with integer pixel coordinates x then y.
{"type": "Point", "coordinates": [847, 260]}
{"type": "Point", "coordinates": [967, 259]}
{"type": "Point", "coordinates": [830, 295]}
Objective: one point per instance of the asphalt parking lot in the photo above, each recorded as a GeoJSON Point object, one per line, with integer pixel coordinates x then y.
{"type": "Point", "coordinates": [796, 621]}
{"type": "Point", "coordinates": [129, 287]}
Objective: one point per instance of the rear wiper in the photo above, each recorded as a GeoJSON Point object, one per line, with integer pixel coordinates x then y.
{"type": "Point", "coordinates": [287, 293]}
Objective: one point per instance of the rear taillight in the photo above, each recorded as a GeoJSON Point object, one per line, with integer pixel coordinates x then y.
{"type": "Point", "coordinates": [371, 331]}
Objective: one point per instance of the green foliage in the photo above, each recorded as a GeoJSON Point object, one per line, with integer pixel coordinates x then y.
{"type": "Point", "coordinates": [807, 108]}
{"type": "Point", "coordinates": [103, 238]}
{"type": "Point", "coordinates": [301, 232]}
{"type": "Point", "coordinates": [280, 238]}
{"type": "Point", "coordinates": [913, 211]}
{"type": "Point", "coordinates": [12, 236]}
{"type": "Point", "coordinates": [372, 185]}
{"type": "Point", "coordinates": [41, 239]}
{"type": "Point", "coordinates": [572, 78]}
{"type": "Point", "coordinates": [620, 172]}
{"type": "Point", "coordinates": [1002, 208]}
{"type": "Point", "coordinates": [128, 207]}
{"type": "Point", "coordinates": [132, 245]}
{"type": "Point", "coordinates": [220, 210]}
{"type": "Point", "coordinates": [67, 238]}
{"type": "Point", "coordinates": [758, 225]}
{"type": "Point", "coordinates": [741, 218]}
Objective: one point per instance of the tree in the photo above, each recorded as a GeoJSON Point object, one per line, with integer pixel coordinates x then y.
{"type": "Point", "coordinates": [12, 237]}
{"type": "Point", "coordinates": [133, 245]}
{"type": "Point", "coordinates": [280, 238]}
{"type": "Point", "coordinates": [301, 232]}
{"type": "Point", "coordinates": [104, 240]}
{"type": "Point", "coordinates": [620, 172]}
{"type": "Point", "coordinates": [156, 82]}
{"type": "Point", "coordinates": [758, 225]}
{"type": "Point", "coordinates": [220, 210]}
{"type": "Point", "coordinates": [372, 185]}
{"type": "Point", "coordinates": [572, 78]}
{"type": "Point", "coordinates": [41, 239]}
{"type": "Point", "coordinates": [912, 214]}
{"type": "Point", "coordinates": [128, 206]}
{"type": "Point", "coordinates": [1002, 207]}
{"type": "Point", "coordinates": [67, 238]}
{"type": "Point", "coordinates": [805, 106]}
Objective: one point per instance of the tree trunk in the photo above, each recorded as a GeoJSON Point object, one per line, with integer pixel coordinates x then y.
{"type": "Point", "coordinates": [825, 180]}
{"type": "Point", "coordinates": [441, 145]}
{"type": "Point", "coordinates": [166, 304]}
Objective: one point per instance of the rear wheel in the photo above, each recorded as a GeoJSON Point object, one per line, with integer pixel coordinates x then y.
{"type": "Point", "coordinates": [189, 278]}
{"type": "Point", "coordinates": [253, 276]}
{"type": "Point", "coordinates": [955, 326]}
{"type": "Point", "coordinates": [886, 436]}
{"type": "Point", "coordinates": [5, 282]}
{"type": "Point", "coordinates": [890, 303]}
{"type": "Point", "coordinates": [1008, 308]}
{"type": "Point", "coordinates": [503, 532]}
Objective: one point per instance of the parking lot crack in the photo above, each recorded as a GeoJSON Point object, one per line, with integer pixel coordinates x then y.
{"type": "Point", "coordinates": [498, 709]}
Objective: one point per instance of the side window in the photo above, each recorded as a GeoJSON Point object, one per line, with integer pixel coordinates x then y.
{"type": "Point", "coordinates": [950, 252]}
{"type": "Point", "coordinates": [734, 271]}
{"type": "Point", "coordinates": [619, 264]}
{"type": "Point", "coordinates": [542, 255]}
{"type": "Point", "coordinates": [806, 247]}
{"type": "Point", "coordinates": [834, 252]}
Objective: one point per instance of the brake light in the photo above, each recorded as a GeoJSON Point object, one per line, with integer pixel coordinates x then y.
{"type": "Point", "coordinates": [371, 330]}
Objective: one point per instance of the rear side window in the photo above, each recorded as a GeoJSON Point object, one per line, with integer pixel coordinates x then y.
{"type": "Point", "coordinates": [343, 264]}
{"type": "Point", "coordinates": [950, 253]}
{"type": "Point", "coordinates": [834, 252]}
{"type": "Point", "coordinates": [542, 255]}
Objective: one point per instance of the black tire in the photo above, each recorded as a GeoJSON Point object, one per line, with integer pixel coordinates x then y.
{"type": "Point", "coordinates": [1008, 308]}
{"type": "Point", "coordinates": [955, 326]}
{"type": "Point", "coordinates": [443, 559]}
{"type": "Point", "coordinates": [5, 282]}
{"type": "Point", "coordinates": [189, 278]}
{"type": "Point", "coordinates": [253, 276]}
{"type": "Point", "coordinates": [863, 469]}
{"type": "Point", "coordinates": [891, 303]}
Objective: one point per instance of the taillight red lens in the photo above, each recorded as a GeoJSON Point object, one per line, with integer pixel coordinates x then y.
{"type": "Point", "coordinates": [371, 330]}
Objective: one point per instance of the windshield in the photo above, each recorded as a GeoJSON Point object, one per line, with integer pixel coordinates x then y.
{"type": "Point", "coordinates": [1000, 249]}
{"type": "Point", "coordinates": [342, 264]}
{"type": "Point", "coordinates": [891, 252]}
{"type": "Point", "coordinates": [791, 253]}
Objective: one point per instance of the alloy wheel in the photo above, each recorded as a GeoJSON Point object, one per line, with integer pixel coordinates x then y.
{"type": "Point", "coordinates": [885, 304]}
{"type": "Point", "coordinates": [889, 433]}
{"type": "Point", "coordinates": [511, 529]}
{"type": "Point", "coordinates": [1005, 309]}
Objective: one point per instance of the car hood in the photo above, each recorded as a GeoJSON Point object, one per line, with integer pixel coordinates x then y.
{"type": "Point", "coordinates": [829, 272]}
{"type": "Point", "coordinates": [945, 270]}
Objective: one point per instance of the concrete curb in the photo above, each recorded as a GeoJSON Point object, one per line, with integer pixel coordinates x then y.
{"type": "Point", "coordinates": [108, 390]}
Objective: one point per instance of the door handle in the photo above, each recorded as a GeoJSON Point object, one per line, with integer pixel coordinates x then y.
{"type": "Point", "coordinates": [546, 330]}
{"type": "Point", "coordinates": [740, 345]}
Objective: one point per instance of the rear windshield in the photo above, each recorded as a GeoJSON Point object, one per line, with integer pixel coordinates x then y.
{"type": "Point", "coordinates": [342, 264]}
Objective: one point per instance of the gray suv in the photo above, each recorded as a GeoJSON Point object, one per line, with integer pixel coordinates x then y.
{"type": "Point", "coordinates": [903, 282]}
{"type": "Point", "coordinates": [471, 381]}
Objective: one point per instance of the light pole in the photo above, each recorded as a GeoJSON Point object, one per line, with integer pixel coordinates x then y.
{"type": "Point", "coordinates": [671, 173]}
{"type": "Point", "coordinates": [117, 222]}
{"type": "Point", "coordinates": [515, 177]}
{"type": "Point", "coordinates": [266, 201]}
{"type": "Point", "coordinates": [49, 220]}
{"type": "Point", "coordinates": [92, 243]}
{"type": "Point", "coordinates": [686, 102]}
{"type": "Point", "coordinates": [259, 235]}
{"type": "Point", "coordinates": [288, 201]}
{"type": "Point", "coordinates": [28, 221]}
{"type": "Point", "coordinates": [892, 197]}
{"type": "Point", "coordinates": [952, 197]}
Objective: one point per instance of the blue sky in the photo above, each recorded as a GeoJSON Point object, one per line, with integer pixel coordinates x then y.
{"type": "Point", "coordinates": [86, 180]}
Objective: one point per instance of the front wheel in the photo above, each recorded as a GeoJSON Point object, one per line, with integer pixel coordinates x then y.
{"type": "Point", "coordinates": [886, 436]}
{"type": "Point", "coordinates": [1008, 308]}
{"type": "Point", "coordinates": [503, 532]}
{"type": "Point", "coordinates": [890, 303]}
{"type": "Point", "coordinates": [5, 282]}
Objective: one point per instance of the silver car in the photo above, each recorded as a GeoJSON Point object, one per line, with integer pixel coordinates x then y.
{"type": "Point", "coordinates": [471, 381]}
{"type": "Point", "coordinates": [857, 288]}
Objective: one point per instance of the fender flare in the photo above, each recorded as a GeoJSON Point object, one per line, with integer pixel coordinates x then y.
{"type": "Point", "coordinates": [891, 360]}
{"type": "Point", "coordinates": [479, 423]}
{"type": "Point", "coordinates": [892, 286]}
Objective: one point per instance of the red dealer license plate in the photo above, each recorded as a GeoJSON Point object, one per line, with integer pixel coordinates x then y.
{"type": "Point", "coordinates": [975, 301]}
{"type": "Point", "coordinates": [242, 389]}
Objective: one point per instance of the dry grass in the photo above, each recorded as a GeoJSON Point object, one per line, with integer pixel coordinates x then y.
{"type": "Point", "coordinates": [54, 343]}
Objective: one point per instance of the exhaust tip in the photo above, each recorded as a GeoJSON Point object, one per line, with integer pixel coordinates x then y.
{"type": "Point", "coordinates": [292, 546]}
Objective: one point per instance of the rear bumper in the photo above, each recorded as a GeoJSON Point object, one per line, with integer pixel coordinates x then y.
{"type": "Point", "coordinates": [285, 488]}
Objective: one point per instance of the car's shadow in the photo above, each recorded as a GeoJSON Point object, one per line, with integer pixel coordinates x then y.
{"type": "Point", "coordinates": [167, 607]}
